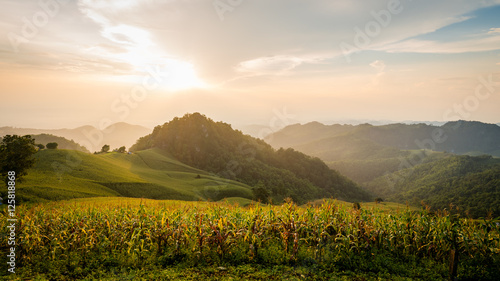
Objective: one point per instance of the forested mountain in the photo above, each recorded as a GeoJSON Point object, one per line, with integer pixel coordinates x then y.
{"type": "Point", "coordinates": [471, 183]}
{"type": "Point", "coordinates": [215, 147]}
{"type": "Point", "coordinates": [460, 137]}
{"type": "Point", "coordinates": [410, 163]}
{"type": "Point", "coordinates": [365, 152]}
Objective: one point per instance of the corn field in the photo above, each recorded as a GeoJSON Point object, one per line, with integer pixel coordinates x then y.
{"type": "Point", "coordinates": [70, 238]}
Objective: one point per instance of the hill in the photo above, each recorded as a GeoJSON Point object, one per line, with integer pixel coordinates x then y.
{"type": "Point", "coordinates": [65, 174]}
{"type": "Point", "coordinates": [62, 143]}
{"type": "Point", "coordinates": [116, 135]}
{"type": "Point", "coordinates": [470, 183]}
{"type": "Point", "coordinates": [215, 147]}
{"type": "Point", "coordinates": [409, 163]}
{"type": "Point", "coordinates": [365, 152]}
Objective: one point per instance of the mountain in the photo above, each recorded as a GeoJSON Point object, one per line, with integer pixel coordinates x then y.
{"type": "Point", "coordinates": [215, 147]}
{"type": "Point", "coordinates": [365, 152]}
{"type": "Point", "coordinates": [470, 183]}
{"type": "Point", "coordinates": [116, 135]}
{"type": "Point", "coordinates": [62, 143]}
{"type": "Point", "coordinates": [410, 163]}
{"type": "Point", "coordinates": [64, 174]}
{"type": "Point", "coordinates": [460, 137]}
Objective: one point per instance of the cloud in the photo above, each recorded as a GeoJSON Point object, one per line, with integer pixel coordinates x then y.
{"type": "Point", "coordinates": [271, 65]}
{"type": "Point", "coordinates": [104, 14]}
{"type": "Point", "coordinates": [254, 29]}
{"type": "Point", "coordinates": [428, 46]}
{"type": "Point", "coordinates": [257, 37]}
{"type": "Point", "coordinates": [494, 30]}
{"type": "Point", "coordinates": [379, 65]}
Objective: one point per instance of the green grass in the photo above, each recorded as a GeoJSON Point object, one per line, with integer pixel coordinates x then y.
{"type": "Point", "coordinates": [67, 174]}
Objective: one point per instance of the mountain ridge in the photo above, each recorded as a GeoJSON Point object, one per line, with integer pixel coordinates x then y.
{"type": "Point", "coordinates": [460, 137]}
{"type": "Point", "coordinates": [116, 135]}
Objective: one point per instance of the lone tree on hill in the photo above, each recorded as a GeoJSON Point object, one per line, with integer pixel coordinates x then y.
{"type": "Point", "coordinates": [52, 145]}
{"type": "Point", "coordinates": [105, 148]}
{"type": "Point", "coordinates": [16, 154]}
{"type": "Point", "coordinates": [122, 149]}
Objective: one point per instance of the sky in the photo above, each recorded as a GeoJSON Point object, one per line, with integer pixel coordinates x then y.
{"type": "Point", "coordinates": [66, 63]}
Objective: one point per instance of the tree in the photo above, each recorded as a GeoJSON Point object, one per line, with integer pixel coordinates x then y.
{"type": "Point", "coordinates": [260, 193]}
{"type": "Point", "coordinates": [122, 149]}
{"type": "Point", "coordinates": [105, 148]}
{"type": "Point", "coordinates": [52, 145]}
{"type": "Point", "coordinates": [16, 154]}
{"type": "Point", "coordinates": [40, 146]}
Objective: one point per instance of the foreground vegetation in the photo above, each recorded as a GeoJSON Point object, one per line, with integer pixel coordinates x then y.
{"type": "Point", "coordinates": [175, 240]}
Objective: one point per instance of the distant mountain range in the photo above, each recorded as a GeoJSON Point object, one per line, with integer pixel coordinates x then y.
{"type": "Point", "coordinates": [116, 135]}
{"type": "Point", "coordinates": [410, 162]}
{"type": "Point", "coordinates": [335, 142]}
{"type": "Point", "coordinates": [262, 131]}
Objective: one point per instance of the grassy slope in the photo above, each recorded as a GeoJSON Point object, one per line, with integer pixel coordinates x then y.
{"type": "Point", "coordinates": [66, 174]}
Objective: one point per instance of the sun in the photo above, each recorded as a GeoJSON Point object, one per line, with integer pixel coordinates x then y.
{"type": "Point", "coordinates": [180, 75]}
{"type": "Point", "coordinates": [144, 58]}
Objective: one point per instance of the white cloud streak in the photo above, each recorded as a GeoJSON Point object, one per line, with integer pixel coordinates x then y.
{"type": "Point", "coordinates": [494, 30]}
{"type": "Point", "coordinates": [426, 46]}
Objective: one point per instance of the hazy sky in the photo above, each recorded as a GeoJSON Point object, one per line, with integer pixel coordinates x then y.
{"type": "Point", "coordinates": [68, 63]}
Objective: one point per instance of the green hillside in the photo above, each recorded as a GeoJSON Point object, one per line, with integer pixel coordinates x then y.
{"type": "Point", "coordinates": [410, 163]}
{"type": "Point", "coordinates": [65, 174]}
{"type": "Point", "coordinates": [214, 146]}
{"type": "Point", "coordinates": [470, 183]}
{"type": "Point", "coordinates": [363, 171]}
{"type": "Point", "coordinates": [62, 143]}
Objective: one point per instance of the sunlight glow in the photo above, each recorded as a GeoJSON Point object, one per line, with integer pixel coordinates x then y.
{"type": "Point", "coordinates": [180, 75]}
{"type": "Point", "coordinates": [143, 56]}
